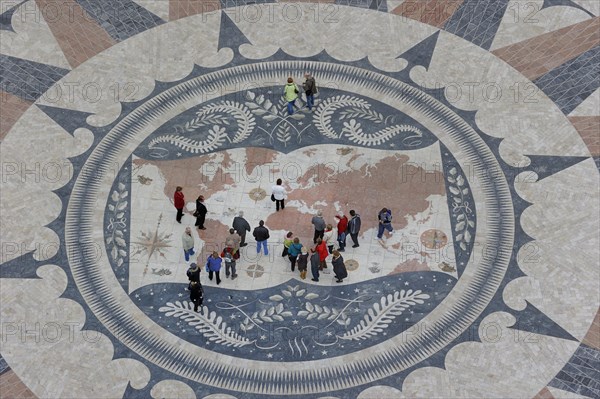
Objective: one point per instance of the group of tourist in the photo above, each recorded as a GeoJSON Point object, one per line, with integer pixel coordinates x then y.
{"type": "Point", "coordinates": [291, 93]}
{"type": "Point", "coordinates": [199, 213]}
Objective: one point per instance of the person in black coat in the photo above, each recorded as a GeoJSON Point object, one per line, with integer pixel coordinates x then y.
{"type": "Point", "coordinates": [193, 273]}
{"type": "Point", "coordinates": [339, 268]}
{"type": "Point", "coordinates": [241, 226]}
{"type": "Point", "coordinates": [200, 213]}
{"type": "Point", "coordinates": [261, 235]}
{"type": "Point", "coordinates": [315, 262]}
{"type": "Point", "coordinates": [196, 294]}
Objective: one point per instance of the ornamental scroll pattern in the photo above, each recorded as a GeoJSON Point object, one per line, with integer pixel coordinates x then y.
{"type": "Point", "coordinates": [223, 123]}
{"type": "Point", "coordinates": [296, 306]}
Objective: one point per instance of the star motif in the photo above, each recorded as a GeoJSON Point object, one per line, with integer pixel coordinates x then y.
{"type": "Point", "coordinates": [356, 290]}
{"type": "Point", "coordinates": [263, 337]}
{"type": "Point", "coordinates": [179, 154]}
{"type": "Point", "coordinates": [449, 280]}
{"type": "Point", "coordinates": [329, 334]}
{"type": "Point", "coordinates": [300, 123]}
{"type": "Point", "coordinates": [151, 307]}
{"type": "Point", "coordinates": [137, 296]}
{"type": "Point", "coordinates": [153, 243]}
{"type": "Point", "coordinates": [180, 295]}
{"type": "Point", "coordinates": [356, 310]}
{"type": "Point", "coordinates": [270, 355]}
{"type": "Point", "coordinates": [323, 352]}
{"type": "Point", "coordinates": [232, 317]}
{"type": "Point", "coordinates": [406, 283]}
{"type": "Point", "coordinates": [295, 322]}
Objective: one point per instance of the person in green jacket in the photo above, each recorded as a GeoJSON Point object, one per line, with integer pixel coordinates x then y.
{"type": "Point", "coordinates": [290, 92]}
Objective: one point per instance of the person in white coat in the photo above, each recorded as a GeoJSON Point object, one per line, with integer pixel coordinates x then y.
{"type": "Point", "coordinates": [188, 243]}
{"type": "Point", "coordinates": [329, 237]}
{"type": "Point", "coordinates": [278, 195]}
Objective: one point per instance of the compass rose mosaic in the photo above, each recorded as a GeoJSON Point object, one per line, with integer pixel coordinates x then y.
{"type": "Point", "coordinates": [475, 270]}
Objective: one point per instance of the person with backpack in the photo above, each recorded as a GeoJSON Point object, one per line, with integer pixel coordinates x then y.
{"type": "Point", "coordinates": [290, 92]}
{"type": "Point", "coordinates": [310, 88]}
{"type": "Point", "coordinates": [233, 240]}
{"type": "Point", "coordinates": [196, 294]}
{"type": "Point", "coordinates": [230, 256]}
{"type": "Point", "coordinates": [385, 222]}
{"type": "Point", "coordinates": [302, 262]}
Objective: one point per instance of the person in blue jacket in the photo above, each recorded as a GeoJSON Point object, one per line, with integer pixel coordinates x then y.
{"type": "Point", "coordinates": [213, 265]}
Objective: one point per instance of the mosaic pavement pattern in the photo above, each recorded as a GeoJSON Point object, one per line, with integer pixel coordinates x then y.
{"type": "Point", "coordinates": [476, 122]}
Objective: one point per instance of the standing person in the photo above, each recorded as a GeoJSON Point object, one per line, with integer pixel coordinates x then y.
{"type": "Point", "coordinates": [196, 294]}
{"type": "Point", "coordinates": [188, 243]}
{"type": "Point", "coordinates": [310, 88]}
{"type": "Point", "coordinates": [385, 222]}
{"type": "Point", "coordinates": [342, 226]}
{"type": "Point", "coordinates": [287, 241]}
{"type": "Point", "coordinates": [230, 256]}
{"type": "Point", "coordinates": [200, 213]}
{"type": "Point", "coordinates": [328, 237]}
{"type": "Point", "coordinates": [314, 266]}
{"type": "Point", "coordinates": [193, 273]}
{"type": "Point", "coordinates": [261, 235]}
{"type": "Point", "coordinates": [278, 195]}
{"type": "Point", "coordinates": [293, 252]}
{"type": "Point", "coordinates": [213, 266]}
{"type": "Point", "coordinates": [319, 224]}
{"type": "Point", "coordinates": [354, 227]}
{"type": "Point", "coordinates": [179, 202]}
{"type": "Point", "coordinates": [339, 268]}
{"type": "Point", "coordinates": [290, 92]}
{"type": "Point", "coordinates": [321, 249]}
{"type": "Point", "coordinates": [233, 241]}
{"type": "Point", "coordinates": [241, 226]}
{"type": "Point", "coordinates": [302, 261]}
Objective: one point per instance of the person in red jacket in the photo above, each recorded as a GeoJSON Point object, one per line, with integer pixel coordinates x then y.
{"type": "Point", "coordinates": [342, 226]}
{"type": "Point", "coordinates": [179, 202]}
{"type": "Point", "coordinates": [321, 249]}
